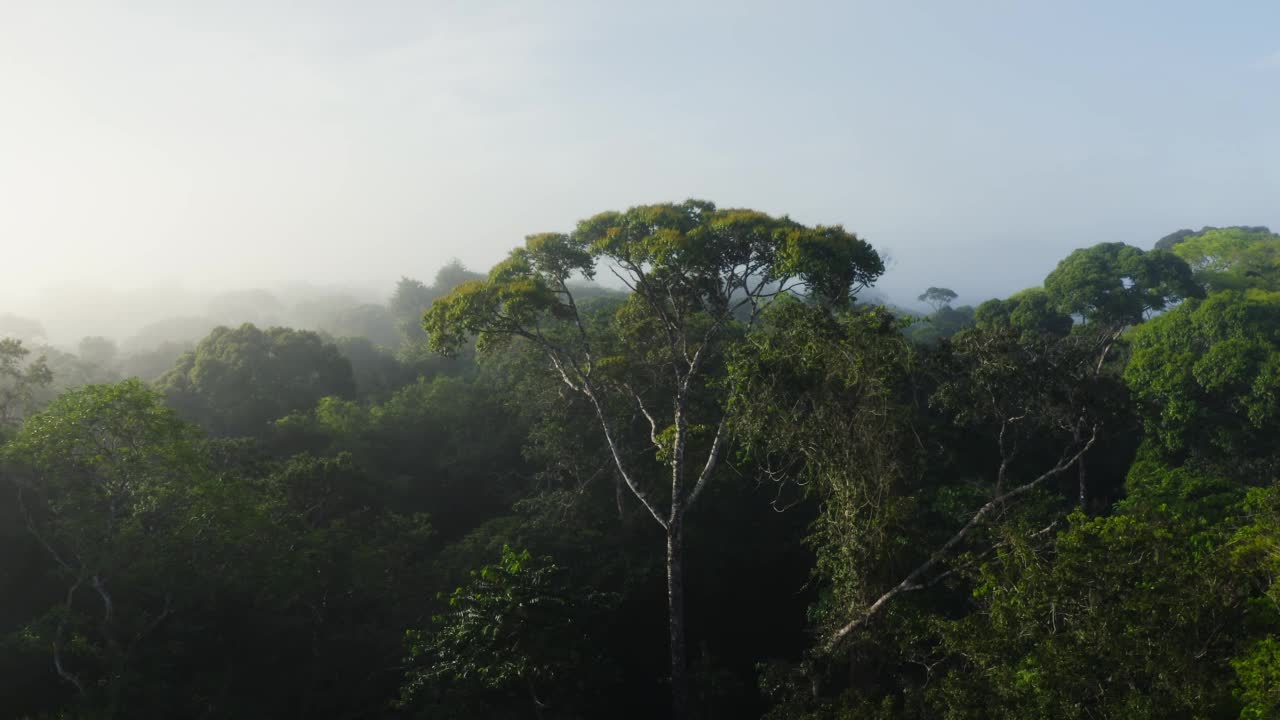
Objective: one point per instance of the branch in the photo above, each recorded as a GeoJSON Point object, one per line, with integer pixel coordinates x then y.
{"type": "Point", "coordinates": [914, 579]}
{"type": "Point", "coordinates": [1006, 456]}
{"type": "Point", "coordinates": [57, 642]}
{"type": "Point", "coordinates": [564, 375]}
{"type": "Point", "coordinates": [31, 528]}
{"type": "Point", "coordinates": [577, 321]}
{"type": "Point", "coordinates": [653, 424]}
{"type": "Point", "coordinates": [617, 458]}
{"type": "Point", "coordinates": [108, 610]}
{"type": "Point", "coordinates": [710, 466]}
{"type": "Point", "coordinates": [150, 627]}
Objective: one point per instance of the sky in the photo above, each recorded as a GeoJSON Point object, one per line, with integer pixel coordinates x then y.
{"type": "Point", "coordinates": [221, 145]}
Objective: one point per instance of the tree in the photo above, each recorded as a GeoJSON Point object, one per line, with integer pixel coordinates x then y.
{"type": "Point", "coordinates": [151, 364]}
{"type": "Point", "coordinates": [412, 298]}
{"type": "Point", "coordinates": [1206, 376]}
{"type": "Point", "coordinates": [196, 582]}
{"type": "Point", "coordinates": [514, 629]}
{"type": "Point", "coordinates": [100, 476]}
{"type": "Point", "coordinates": [238, 380]}
{"type": "Point", "coordinates": [450, 446]}
{"type": "Point", "coordinates": [1113, 286]}
{"type": "Point", "coordinates": [409, 300]}
{"type": "Point", "coordinates": [376, 370]}
{"type": "Point", "coordinates": [1173, 239]}
{"type": "Point", "coordinates": [691, 269]}
{"type": "Point", "coordinates": [1233, 258]}
{"type": "Point", "coordinates": [938, 298]}
{"type": "Point", "coordinates": [1138, 615]}
{"type": "Point", "coordinates": [99, 351]}
{"type": "Point", "coordinates": [944, 323]}
{"type": "Point", "coordinates": [343, 317]}
{"type": "Point", "coordinates": [1119, 285]}
{"type": "Point", "coordinates": [1019, 392]}
{"type": "Point", "coordinates": [911, 495]}
{"type": "Point", "coordinates": [1030, 310]}
{"type": "Point", "coordinates": [449, 277]}
{"type": "Point", "coordinates": [20, 379]}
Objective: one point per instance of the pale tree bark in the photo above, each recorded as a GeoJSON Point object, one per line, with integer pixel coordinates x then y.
{"type": "Point", "coordinates": [577, 375]}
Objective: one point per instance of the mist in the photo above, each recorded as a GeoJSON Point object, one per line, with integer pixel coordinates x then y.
{"type": "Point", "coordinates": [165, 153]}
{"type": "Point", "coordinates": [567, 359]}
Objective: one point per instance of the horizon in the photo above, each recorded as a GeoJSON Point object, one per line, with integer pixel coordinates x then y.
{"type": "Point", "coordinates": [252, 145]}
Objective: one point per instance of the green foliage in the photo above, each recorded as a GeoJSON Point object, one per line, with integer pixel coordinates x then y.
{"type": "Point", "coordinates": [1118, 284]}
{"type": "Point", "coordinates": [1259, 677]}
{"type": "Point", "coordinates": [20, 381]}
{"type": "Point", "coordinates": [238, 380]}
{"type": "Point", "coordinates": [190, 585]}
{"type": "Point", "coordinates": [887, 530]}
{"type": "Point", "coordinates": [104, 477]}
{"type": "Point", "coordinates": [445, 446]}
{"type": "Point", "coordinates": [511, 635]}
{"type": "Point", "coordinates": [695, 255]}
{"type": "Point", "coordinates": [411, 298]}
{"type": "Point", "coordinates": [1137, 615]}
{"type": "Point", "coordinates": [1029, 311]}
{"type": "Point", "coordinates": [1235, 258]}
{"type": "Point", "coordinates": [1173, 239]}
{"type": "Point", "coordinates": [944, 323]}
{"type": "Point", "coordinates": [816, 401]}
{"type": "Point", "coordinates": [1206, 375]}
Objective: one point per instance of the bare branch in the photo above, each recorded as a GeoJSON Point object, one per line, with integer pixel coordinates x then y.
{"type": "Point", "coordinates": [57, 641]}
{"type": "Point", "coordinates": [617, 457]}
{"type": "Point", "coordinates": [916, 576]}
{"type": "Point", "coordinates": [653, 424]}
{"type": "Point", "coordinates": [564, 375]}
{"type": "Point", "coordinates": [712, 457]}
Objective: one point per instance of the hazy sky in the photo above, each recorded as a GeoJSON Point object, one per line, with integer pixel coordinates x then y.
{"type": "Point", "coordinates": [232, 144]}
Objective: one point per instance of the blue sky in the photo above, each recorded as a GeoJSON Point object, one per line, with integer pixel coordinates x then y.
{"type": "Point", "coordinates": [235, 144]}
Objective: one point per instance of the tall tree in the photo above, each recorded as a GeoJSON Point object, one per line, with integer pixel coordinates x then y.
{"type": "Point", "coordinates": [938, 298]}
{"type": "Point", "coordinates": [1113, 286]}
{"type": "Point", "coordinates": [697, 275]}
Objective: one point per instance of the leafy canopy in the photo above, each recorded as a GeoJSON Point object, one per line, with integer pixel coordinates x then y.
{"type": "Point", "coordinates": [684, 259]}
{"type": "Point", "coordinates": [1119, 284]}
{"type": "Point", "coordinates": [1233, 258]}
{"type": "Point", "coordinates": [1208, 375]}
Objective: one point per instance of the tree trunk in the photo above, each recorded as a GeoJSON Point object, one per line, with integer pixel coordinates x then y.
{"type": "Point", "coordinates": [675, 616]}
{"type": "Point", "coordinates": [1084, 486]}
{"type": "Point", "coordinates": [1082, 476]}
